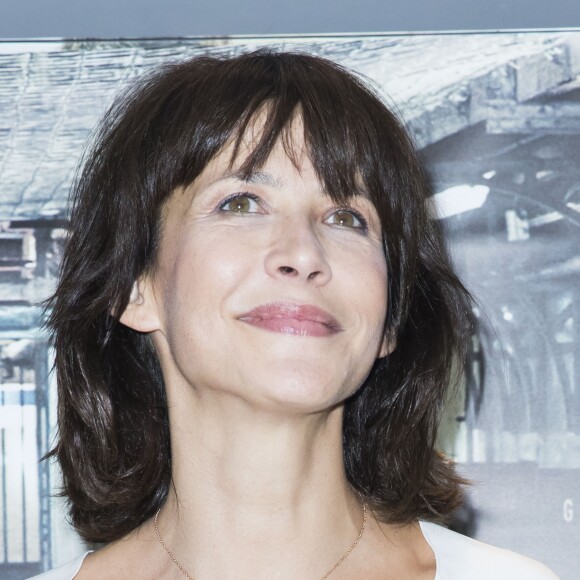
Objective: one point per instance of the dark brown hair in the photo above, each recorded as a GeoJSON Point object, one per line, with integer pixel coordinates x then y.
{"type": "Point", "coordinates": [113, 445]}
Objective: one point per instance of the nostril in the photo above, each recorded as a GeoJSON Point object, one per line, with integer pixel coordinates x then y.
{"type": "Point", "coordinates": [286, 269]}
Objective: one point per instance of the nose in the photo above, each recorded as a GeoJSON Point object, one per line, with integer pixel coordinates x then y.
{"type": "Point", "coordinates": [297, 253]}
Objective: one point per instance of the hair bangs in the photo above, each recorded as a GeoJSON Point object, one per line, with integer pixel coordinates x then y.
{"type": "Point", "coordinates": [269, 99]}
{"type": "Point", "coordinates": [344, 155]}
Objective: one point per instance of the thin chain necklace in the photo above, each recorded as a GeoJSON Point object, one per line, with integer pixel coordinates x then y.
{"type": "Point", "coordinates": [190, 577]}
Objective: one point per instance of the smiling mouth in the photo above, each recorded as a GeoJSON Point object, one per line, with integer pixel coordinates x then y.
{"type": "Point", "coordinates": [292, 318]}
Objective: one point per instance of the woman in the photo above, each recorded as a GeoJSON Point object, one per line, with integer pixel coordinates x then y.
{"type": "Point", "coordinates": [254, 330]}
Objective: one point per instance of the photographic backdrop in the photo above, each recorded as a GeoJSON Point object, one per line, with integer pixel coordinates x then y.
{"type": "Point", "coordinates": [496, 117]}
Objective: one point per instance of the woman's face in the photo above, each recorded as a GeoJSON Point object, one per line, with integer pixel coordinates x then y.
{"type": "Point", "coordinates": [264, 289]}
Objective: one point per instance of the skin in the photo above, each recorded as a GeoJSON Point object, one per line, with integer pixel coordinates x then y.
{"type": "Point", "coordinates": [256, 416]}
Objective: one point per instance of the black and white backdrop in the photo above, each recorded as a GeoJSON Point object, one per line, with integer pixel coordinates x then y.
{"type": "Point", "coordinates": [497, 119]}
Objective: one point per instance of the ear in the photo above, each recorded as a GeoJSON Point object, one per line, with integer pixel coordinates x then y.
{"type": "Point", "coordinates": [387, 346]}
{"type": "Point", "coordinates": [141, 313]}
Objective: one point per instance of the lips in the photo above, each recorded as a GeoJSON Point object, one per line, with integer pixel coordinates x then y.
{"type": "Point", "coordinates": [292, 318]}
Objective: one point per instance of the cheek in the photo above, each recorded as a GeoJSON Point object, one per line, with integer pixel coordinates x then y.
{"type": "Point", "coordinates": [368, 281]}
{"type": "Point", "coordinates": [372, 293]}
{"type": "Point", "coordinates": [204, 271]}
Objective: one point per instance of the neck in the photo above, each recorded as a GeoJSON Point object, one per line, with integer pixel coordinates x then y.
{"type": "Point", "coordinates": [257, 493]}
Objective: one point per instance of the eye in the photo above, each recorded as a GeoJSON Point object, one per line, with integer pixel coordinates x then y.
{"type": "Point", "coordinates": [240, 203]}
{"type": "Point", "coordinates": [348, 218]}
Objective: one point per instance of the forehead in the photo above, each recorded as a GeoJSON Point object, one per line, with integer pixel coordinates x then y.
{"type": "Point", "coordinates": [289, 156]}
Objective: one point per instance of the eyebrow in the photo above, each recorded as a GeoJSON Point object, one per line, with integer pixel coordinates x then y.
{"type": "Point", "coordinates": [256, 177]}
{"type": "Point", "coordinates": [264, 178]}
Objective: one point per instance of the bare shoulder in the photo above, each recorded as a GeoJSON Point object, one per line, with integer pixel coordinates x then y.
{"type": "Point", "coordinates": [460, 557]}
{"type": "Point", "coordinates": [133, 556]}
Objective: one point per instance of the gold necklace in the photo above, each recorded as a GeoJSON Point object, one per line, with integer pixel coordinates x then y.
{"type": "Point", "coordinates": [190, 577]}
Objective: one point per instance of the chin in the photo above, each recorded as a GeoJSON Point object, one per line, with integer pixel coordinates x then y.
{"type": "Point", "coordinates": [301, 394]}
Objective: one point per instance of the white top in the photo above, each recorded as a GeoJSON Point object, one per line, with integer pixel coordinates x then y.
{"type": "Point", "coordinates": [458, 558]}
{"type": "Point", "coordinates": [461, 558]}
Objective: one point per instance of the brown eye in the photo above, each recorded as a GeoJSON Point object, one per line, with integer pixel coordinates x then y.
{"type": "Point", "coordinates": [348, 219]}
{"type": "Point", "coordinates": [343, 218]}
{"type": "Point", "coordinates": [240, 203]}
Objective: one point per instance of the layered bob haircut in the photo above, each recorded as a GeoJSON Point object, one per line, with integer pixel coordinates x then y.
{"type": "Point", "coordinates": [113, 431]}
